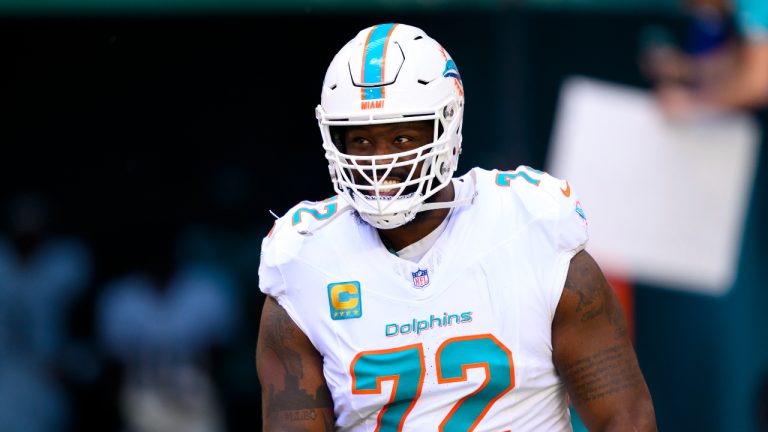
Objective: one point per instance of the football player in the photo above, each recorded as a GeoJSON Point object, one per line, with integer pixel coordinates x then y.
{"type": "Point", "coordinates": [416, 301]}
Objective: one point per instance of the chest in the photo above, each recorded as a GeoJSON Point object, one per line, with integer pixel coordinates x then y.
{"type": "Point", "coordinates": [450, 350]}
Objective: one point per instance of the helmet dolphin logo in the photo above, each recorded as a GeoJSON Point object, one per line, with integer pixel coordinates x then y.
{"type": "Point", "coordinates": [451, 70]}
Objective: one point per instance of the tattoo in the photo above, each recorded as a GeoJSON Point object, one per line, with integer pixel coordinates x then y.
{"type": "Point", "coordinates": [602, 374]}
{"type": "Point", "coordinates": [595, 295]}
{"type": "Point", "coordinates": [296, 405]}
{"type": "Point", "coordinates": [290, 404]}
{"type": "Point", "coordinates": [283, 330]}
{"type": "Point", "coordinates": [294, 398]}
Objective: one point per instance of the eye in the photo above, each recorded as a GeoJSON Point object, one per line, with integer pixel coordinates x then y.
{"type": "Point", "coordinates": [357, 144]}
{"type": "Point", "coordinates": [403, 139]}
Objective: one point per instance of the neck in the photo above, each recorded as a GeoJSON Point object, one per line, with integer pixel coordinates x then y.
{"type": "Point", "coordinates": [423, 224]}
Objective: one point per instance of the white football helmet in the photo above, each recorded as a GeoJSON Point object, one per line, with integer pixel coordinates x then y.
{"type": "Point", "coordinates": [392, 73]}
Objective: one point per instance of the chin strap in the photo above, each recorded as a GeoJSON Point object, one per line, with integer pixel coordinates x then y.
{"type": "Point", "coordinates": [455, 203]}
{"type": "Point", "coordinates": [448, 204]}
{"type": "Point", "coordinates": [426, 207]}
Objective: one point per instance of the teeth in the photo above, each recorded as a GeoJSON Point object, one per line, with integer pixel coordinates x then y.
{"type": "Point", "coordinates": [383, 187]}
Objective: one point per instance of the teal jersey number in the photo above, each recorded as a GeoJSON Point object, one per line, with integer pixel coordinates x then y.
{"type": "Point", "coordinates": [504, 179]}
{"type": "Point", "coordinates": [327, 211]}
{"type": "Point", "coordinates": [405, 366]}
{"type": "Point", "coordinates": [457, 355]}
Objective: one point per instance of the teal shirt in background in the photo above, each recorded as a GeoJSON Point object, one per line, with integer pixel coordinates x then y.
{"type": "Point", "coordinates": [752, 19]}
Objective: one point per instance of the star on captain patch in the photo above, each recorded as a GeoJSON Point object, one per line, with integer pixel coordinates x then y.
{"type": "Point", "coordinates": [420, 278]}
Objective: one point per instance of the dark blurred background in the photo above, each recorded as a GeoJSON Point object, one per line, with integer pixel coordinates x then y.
{"type": "Point", "coordinates": [144, 144]}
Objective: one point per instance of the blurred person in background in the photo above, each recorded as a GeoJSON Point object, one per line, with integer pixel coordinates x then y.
{"type": "Point", "coordinates": [41, 277]}
{"type": "Point", "coordinates": [166, 324]}
{"type": "Point", "coordinates": [473, 294]}
{"type": "Point", "coordinates": [721, 68]}
{"type": "Point", "coordinates": [722, 65]}
{"type": "Point", "coordinates": [226, 234]}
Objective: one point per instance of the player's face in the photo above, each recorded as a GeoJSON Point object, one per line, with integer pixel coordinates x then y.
{"type": "Point", "coordinates": [386, 139]}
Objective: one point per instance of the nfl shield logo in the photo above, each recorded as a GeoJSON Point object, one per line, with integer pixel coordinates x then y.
{"type": "Point", "coordinates": [420, 278]}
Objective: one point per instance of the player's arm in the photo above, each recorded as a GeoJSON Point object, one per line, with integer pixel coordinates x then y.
{"type": "Point", "coordinates": [594, 355]}
{"type": "Point", "coordinates": [294, 393]}
{"type": "Point", "coordinates": [746, 86]}
{"type": "Point", "coordinates": [743, 86]}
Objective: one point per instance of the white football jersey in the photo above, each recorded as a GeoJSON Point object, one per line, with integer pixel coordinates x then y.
{"type": "Point", "coordinates": [460, 340]}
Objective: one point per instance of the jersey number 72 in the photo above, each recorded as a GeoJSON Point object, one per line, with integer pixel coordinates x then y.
{"type": "Point", "coordinates": [405, 367]}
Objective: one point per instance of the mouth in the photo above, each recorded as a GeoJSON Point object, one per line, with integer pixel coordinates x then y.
{"type": "Point", "coordinates": [390, 193]}
{"type": "Point", "coordinates": [385, 191]}
{"type": "Point", "coordinates": [388, 188]}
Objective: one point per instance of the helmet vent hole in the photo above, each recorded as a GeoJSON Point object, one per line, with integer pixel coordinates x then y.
{"type": "Point", "coordinates": [333, 87]}
{"type": "Point", "coordinates": [417, 38]}
{"type": "Point", "coordinates": [424, 82]}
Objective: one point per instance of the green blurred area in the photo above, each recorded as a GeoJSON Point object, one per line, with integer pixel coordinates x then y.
{"type": "Point", "coordinates": [88, 7]}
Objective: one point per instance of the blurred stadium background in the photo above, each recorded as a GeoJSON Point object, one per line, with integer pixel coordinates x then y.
{"type": "Point", "coordinates": [144, 143]}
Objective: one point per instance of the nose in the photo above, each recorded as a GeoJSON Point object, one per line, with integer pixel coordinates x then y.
{"type": "Point", "coordinates": [377, 168]}
{"type": "Point", "coordinates": [381, 150]}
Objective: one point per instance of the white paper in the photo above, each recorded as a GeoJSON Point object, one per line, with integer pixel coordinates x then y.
{"type": "Point", "coordinates": [666, 201]}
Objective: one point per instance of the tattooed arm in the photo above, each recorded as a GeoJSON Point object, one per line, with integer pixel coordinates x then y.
{"type": "Point", "coordinates": [294, 393]}
{"type": "Point", "coordinates": [594, 355]}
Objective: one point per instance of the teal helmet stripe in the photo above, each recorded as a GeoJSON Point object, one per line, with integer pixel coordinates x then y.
{"type": "Point", "coordinates": [373, 60]}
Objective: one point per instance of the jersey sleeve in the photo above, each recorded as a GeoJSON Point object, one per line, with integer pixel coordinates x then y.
{"type": "Point", "coordinates": [271, 280]}
{"type": "Point", "coordinates": [560, 224]}
{"type": "Point", "coordinates": [279, 248]}
{"type": "Point", "coordinates": [552, 202]}
{"type": "Point", "coordinates": [571, 228]}
{"type": "Point", "coordinates": [284, 241]}
{"type": "Point", "coordinates": [571, 234]}
{"type": "Point", "coordinates": [278, 252]}
{"type": "Point", "coordinates": [283, 258]}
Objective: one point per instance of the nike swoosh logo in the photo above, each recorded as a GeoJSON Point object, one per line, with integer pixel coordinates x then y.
{"type": "Point", "coordinates": [567, 190]}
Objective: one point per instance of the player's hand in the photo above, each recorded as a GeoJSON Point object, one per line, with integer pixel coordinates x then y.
{"type": "Point", "coordinates": [664, 64]}
{"type": "Point", "coordinates": [679, 103]}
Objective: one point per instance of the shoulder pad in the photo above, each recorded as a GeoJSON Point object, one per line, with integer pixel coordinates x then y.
{"type": "Point", "coordinates": [545, 196]}
{"type": "Point", "coordinates": [527, 180]}
{"type": "Point", "coordinates": [307, 216]}
{"type": "Point", "coordinates": [285, 240]}
{"type": "Point", "coordinates": [303, 219]}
